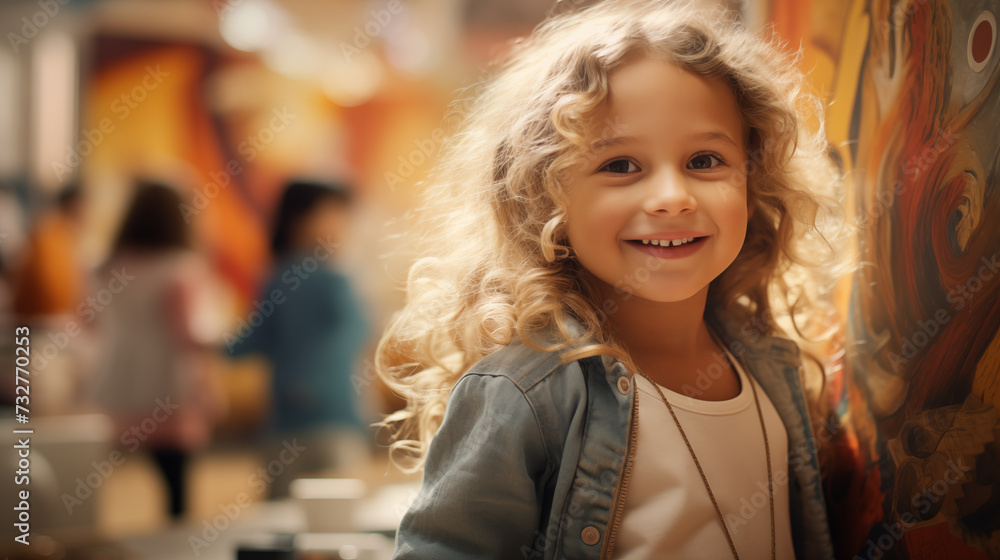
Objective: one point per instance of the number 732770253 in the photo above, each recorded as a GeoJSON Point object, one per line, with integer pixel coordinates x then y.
{"type": "Point", "coordinates": [22, 378]}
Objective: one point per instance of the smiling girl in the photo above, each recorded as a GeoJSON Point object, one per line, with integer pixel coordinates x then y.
{"type": "Point", "coordinates": [587, 371]}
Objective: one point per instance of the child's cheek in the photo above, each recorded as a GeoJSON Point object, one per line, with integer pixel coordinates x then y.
{"type": "Point", "coordinates": [731, 189]}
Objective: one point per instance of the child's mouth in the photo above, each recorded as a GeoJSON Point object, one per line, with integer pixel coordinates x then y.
{"type": "Point", "coordinates": [661, 249]}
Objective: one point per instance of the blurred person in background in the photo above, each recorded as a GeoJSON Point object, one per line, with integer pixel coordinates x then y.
{"type": "Point", "coordinates": [50, 280]}
{"type": "Point", "coordinates": [48, 283]}
{"type": "Point", "coordinates": [158, 336]}
{"type": "Point", "coordinates": [311, 328]}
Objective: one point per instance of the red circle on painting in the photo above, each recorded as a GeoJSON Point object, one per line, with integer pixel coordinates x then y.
{"type": "Point", "coordinates": [982, 40]}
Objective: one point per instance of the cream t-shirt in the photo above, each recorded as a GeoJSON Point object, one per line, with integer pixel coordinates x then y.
{"type": "Point", "coordinates": [668, 513]}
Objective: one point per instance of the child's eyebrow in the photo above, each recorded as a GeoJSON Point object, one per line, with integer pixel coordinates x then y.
{"type": "Point", "coordinates": [715, 135]}
{"type": "Point", "coordinates": [602, 143]}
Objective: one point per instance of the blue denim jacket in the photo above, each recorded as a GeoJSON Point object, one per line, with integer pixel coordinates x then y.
{"type": "Point", "coordinates": [533, 457]}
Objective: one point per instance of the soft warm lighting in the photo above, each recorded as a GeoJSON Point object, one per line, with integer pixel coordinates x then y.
{"type": "Point", "coordinates": [296, 56]}
{"type": "Point", "coordinates": [252, 25]}
{"type": "Point", "coordinates": [327, 489]}
{"type": "Point", "coordinates": [349, 83]}
{"type": "Point", "coordinates": [408, 49]}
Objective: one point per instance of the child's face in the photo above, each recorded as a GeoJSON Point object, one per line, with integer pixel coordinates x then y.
{"type": "Point", "coordinates": [327, 221]}
{"type": "Point", "coordinates": [669, 163]}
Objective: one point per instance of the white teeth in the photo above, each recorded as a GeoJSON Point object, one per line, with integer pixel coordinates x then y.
{"type": "Point", "coordinates": [667, 243]}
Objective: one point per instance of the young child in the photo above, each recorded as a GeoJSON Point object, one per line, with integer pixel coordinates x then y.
{"type": "Point", "coordinates": [312, 335]}
{"type": "Point", "coordinates": [157, 337]}
{"type": "Point", "coordinates": [589, 353]}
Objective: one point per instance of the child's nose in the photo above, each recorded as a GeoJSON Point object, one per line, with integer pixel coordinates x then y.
{"type": "Point", "coordinates": [670, 193]}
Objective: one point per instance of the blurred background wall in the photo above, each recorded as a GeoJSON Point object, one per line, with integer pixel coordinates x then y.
{"type": "Point", "coordinates": [226, 100]}
{"type": "Point", "coordinates": [913, 117]}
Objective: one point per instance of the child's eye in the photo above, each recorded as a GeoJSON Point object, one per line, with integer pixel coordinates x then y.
{"type": "Point", "coordinates": [704, 161]}
{"type": "Point", "coordinates": [620, 166]}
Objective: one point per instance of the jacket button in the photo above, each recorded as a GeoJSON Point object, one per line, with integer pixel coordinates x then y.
{"type": "Point", "coordinates": [590, 535]}
{"type": "Point", "coordinates": [623, 384]}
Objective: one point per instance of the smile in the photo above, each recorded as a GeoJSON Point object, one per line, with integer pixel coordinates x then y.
{"type": "Point", "coordinates": [668, 243]}
{"type": "Point", "coordinates": [668, 249]}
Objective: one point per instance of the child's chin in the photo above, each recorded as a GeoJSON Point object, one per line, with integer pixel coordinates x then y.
{"type": "Point", "coordinates": [671, 295]}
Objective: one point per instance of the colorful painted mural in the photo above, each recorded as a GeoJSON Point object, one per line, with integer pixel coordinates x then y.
{"type": "Point", "coordinates": [914, 117]}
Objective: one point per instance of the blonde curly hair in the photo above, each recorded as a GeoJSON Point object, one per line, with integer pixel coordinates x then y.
{"type": "Point", "coordinates": [496, 264]}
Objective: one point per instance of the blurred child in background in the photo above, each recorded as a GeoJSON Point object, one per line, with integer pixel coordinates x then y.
{"type": "Point", "coordinates": [157, 336]}
{"type": "Point", "coordinates": [311, 328]}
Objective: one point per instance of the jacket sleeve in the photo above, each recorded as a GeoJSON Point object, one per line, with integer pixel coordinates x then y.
{"type": "Point", "coordinates": [483, 478]}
